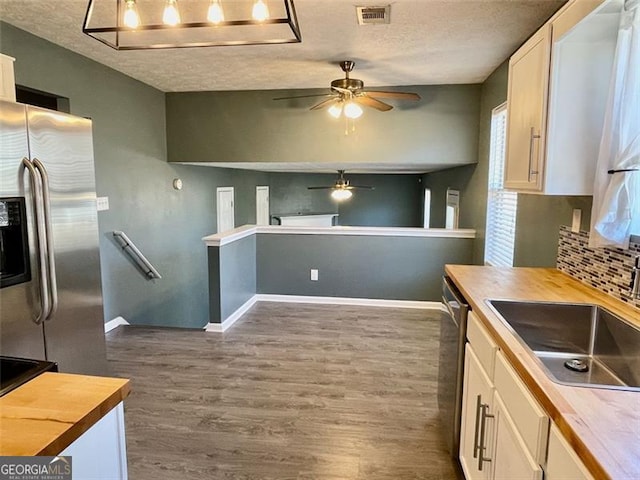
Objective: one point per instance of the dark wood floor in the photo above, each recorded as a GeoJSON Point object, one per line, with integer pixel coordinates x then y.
{"type": "Point", "coordinates": [291, 391]}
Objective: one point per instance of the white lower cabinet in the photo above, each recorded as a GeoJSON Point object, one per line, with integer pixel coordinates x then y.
{"type": "Point", "coordinates": [511, 458]}
{"type": "Point", "coordinates": [100, 452]}
{"type": "Point", "coordinates": [562, 462]}
{"type": "Point", "coordinates": [476, 432]}
{"type": "Point", "coordinates": [477, 401]}
{"type": "Point", "coordinates": [505, 434]}
{"type": "Point", "coordinates": [502, 425]}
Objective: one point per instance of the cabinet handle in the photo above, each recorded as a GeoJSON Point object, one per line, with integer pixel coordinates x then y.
{"type": "Point", "coordinates": [483, 430]}
{"type": "Point", "coordinates": [532, 138]}
{"type": "Point", "coordinates": [476, 446]}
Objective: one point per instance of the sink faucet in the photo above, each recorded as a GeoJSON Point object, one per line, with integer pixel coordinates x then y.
{"type": "Point", "coordinates": [635, 279]}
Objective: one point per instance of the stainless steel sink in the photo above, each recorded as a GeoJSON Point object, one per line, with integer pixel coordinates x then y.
{"type": "Point", "coordinates": [578, 344]}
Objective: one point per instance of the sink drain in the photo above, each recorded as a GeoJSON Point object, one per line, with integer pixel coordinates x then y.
{"type": "Point", "coordinates": [577, 365]}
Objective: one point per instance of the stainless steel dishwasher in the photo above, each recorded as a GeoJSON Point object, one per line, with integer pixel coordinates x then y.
{"type": "Point", "coordinates": [453, 330]}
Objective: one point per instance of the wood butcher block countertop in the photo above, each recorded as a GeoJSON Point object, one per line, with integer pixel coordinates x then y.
{"type": "Point", "coordinates": [603, 426]}
{"type": "Point", "coordinates": [45, 415]}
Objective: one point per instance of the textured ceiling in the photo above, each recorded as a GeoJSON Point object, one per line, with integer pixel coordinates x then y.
{"type": "Point", "coordinates": [427, 42]}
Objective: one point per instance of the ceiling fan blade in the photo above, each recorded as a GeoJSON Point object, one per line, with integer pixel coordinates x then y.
{"type": "Point", "coordinates": [305, 96]}
{"type": "Point", "coordinates": [324, 103]}
{"type": "Point", "coordinates": [373, 103]}
{"type": "Point", "coordinates": [396, 95]}
{"type": "Point", "coordinates": [321, 188]}
{"type": "Point", "coordinates": [361, 187]}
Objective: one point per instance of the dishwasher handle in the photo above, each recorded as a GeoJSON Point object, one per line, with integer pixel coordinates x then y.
{"type": "Point", "coordinates": [453, 300]}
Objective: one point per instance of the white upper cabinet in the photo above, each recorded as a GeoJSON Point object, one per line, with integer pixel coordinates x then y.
{"type": "Point", "coordinates": [558, 89]}
{"type": "Point", "coordinates": [526, 112]}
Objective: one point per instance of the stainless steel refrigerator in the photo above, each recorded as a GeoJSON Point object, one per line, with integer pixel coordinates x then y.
{"type": "Point", "coordinates": [50, 289]}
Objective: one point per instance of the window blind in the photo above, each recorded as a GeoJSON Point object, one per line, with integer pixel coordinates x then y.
{"type": "Point", "coordinates": [501, 205]}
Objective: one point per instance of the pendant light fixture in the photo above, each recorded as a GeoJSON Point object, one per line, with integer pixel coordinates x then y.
{"type": "Point", "coordinates": [141, 25]}
{"type": "Point", "coordinates": [215, 14]}
{"type": "Point", "coordinates": [171, 15]}
{"type": "Point", "coordinates": [260, 11]}
{"type": "Point", "coordinates": [131, 18]}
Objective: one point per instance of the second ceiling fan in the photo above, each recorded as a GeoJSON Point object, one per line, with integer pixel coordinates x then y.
{"type": "Point", "coordinates": [348, 96]}
{"type": "Point", "coordinates": [341, 190]}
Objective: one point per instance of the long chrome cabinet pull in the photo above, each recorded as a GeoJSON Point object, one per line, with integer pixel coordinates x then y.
{"type": "Point", "coordinates": [476, 446]}
{"type": "Point", "coordinates": [36, 194]}
{"type": "Point", "coordinates": [483, 431]}
{"type": "Point", "coordinates": [532, 137]}
{"type": "Point", "coordinates": [51, 263]}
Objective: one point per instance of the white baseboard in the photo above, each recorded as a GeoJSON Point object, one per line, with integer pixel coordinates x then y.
{"type": "Point", "coordinates": [115, 323]}
{"type": "Point", "coordinates": [231, 319]}
{"type": "Point", "coordinates": [368, 302]}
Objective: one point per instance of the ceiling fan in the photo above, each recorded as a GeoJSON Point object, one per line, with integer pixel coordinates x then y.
{"type": "Point", "coordinates": [342, 188]}
{"type": "Point", "coordinates": [348, 96]}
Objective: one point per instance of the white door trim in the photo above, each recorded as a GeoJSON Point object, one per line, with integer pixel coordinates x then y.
{"type": "Point", "coordinates": [263, 221]}
{"type": "Point", "coordinates": [219, 211]}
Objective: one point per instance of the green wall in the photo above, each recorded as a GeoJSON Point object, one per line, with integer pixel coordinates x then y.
{"type": "Point", "coordinates": [538, 224]}
{"type": "Point", "coordinates": [471, 180]}
{"type": "Point", "coordinates": [395, 201]}
{"type": "Point", "coordinates": [288, 193]}
{"type": "Point", "coordinates": [249, 126]}
{"type": "Point", "coordinates": [357, 266]}
{"type": "Point", "coordinates": [131, 169]}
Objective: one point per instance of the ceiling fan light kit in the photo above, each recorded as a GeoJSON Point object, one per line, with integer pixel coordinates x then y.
{"type": "Point", "coordinates": [341, 194]}
{"type": "Point", "coordinates": [342, 189]}
{"type": "Point", "coordinates": [348, 96]}
{"type": "Point", "coordinates": [150, 24]}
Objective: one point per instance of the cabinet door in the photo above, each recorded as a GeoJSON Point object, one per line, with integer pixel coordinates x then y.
{"type": "Point", "coordinates": [562, 461]}
{"type": "Point", "coordinates": [527, 415]}
{"type": "Point", "coordinates": [511, 459]}
{"type": "Point", "coordinates": [477, 394]}
{"type": "Point", "coordinates": [526, 113]}
{"type": "Point", "coordinates": [100, 453]}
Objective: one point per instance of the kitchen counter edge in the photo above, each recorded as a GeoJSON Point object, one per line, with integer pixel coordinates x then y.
{"type": "Point", "coordinates": [47, 414]}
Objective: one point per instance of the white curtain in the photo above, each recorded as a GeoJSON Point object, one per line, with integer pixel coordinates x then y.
{"type": "Point", "coordinates": [616, 201]}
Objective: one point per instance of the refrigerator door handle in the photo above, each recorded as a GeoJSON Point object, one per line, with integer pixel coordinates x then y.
{"type": "Point", "coordinates": [36, 197]}
{"type": "Point", "coordinates": [51, 263]}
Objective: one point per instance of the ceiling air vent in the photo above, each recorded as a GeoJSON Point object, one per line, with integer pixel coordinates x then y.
{"type": "Point", "coordinates": [373, 15]}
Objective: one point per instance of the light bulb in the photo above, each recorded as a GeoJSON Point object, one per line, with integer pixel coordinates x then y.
{"type": "Point", "coordinates": [352, 110]}
{"type": "Point", "coordinates": [131, 18]}
{"type": "Point", "coordinates": [260, 11]}
{"type": "Point", "coordinates": [335, 110]}
{"type": "Point", "coordinates": [171, 15]}
{"type": "Point", "coordinates": [216, 14]}
{"type": "Point", "coordinates": [341, 194]}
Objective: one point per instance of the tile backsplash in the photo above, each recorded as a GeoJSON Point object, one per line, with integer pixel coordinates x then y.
{"type": "Point", "coordinates": [607, 269]}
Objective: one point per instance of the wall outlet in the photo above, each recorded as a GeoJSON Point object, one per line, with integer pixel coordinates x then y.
{"type": "Point", "coordinates": [102, 203]}
{"type": "Point", "coordinates": [314, 275]}
{"type": "Point", "coordinates": [577, 219]}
